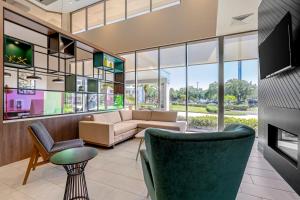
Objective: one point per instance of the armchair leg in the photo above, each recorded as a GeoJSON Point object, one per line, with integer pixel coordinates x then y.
{"type": "Point", "coordinates": [35, 162]}
{"type": "Point", "coordinates": [30, 164]}
{"type": "Point", "coordinates": [139, 148]}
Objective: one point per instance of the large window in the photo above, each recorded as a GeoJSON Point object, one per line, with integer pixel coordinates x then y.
{"type": "Point", "coordinates": [241, 79]}
{"type": "Point", "coordinates": [115, 11]}
{"type": "Point", "coordinates": [160, 4]}
{"type": "Point", "coordinates": [111, 11]}
{"type": "Point", "coordinates": [185, 78]}
{"type": "Point", "coordinates": [95, 16]}
{"type": "Point", "coordinates": [147, 79]}
{"type": "Point", "coordinates": [129, 80]}
{"type": "Point", "coordinates": [137, 7]}
{"type": "Point", "coordinates": [78, 21]}
{"type": "Point", "coordinates": [173, 79]}
{"type": "Point", "coordinates": [203, 85]}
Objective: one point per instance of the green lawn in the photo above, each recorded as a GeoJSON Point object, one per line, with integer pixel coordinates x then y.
{"type": "Point", "coordinates": [196, 109]}
{"type": "Point", "coordinates": [181, 108]}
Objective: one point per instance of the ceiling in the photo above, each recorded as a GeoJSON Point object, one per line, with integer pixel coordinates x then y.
{"type": "Point", "coordinates": [237, 16]}
{"type": "Point", "coordinates": [63, 6]}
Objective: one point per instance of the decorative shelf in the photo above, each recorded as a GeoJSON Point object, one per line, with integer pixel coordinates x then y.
{"type": "Point", "coordinates": [17, 53]}
{"type": "Point", "coordinates": [60, 45]}
{"type": "Point", "coordinates": [108, 63]}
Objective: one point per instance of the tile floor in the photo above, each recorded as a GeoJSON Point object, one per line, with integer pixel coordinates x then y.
{"type": "Point", "coordinates": [115, 175]}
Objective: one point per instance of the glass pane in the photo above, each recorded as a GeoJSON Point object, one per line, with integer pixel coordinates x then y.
{"type": "Point", "coordinates": [22, 103]}
{"type": "Point", "coordinates": [95, 15]}
{"type": "Point", "coordinates": [110, 103]}
{"type": "Point", "coordinates": [203, 97]}
{"type": "Point", "coordinates": [79, 68]}
{"type": "Point", "coordinates": [160, 4]}
{"type": "Point", "coordinates": [48, 83]}
{"type": "Point", "coordinates": [243, 47]}
{"type": "Point", "coordinates": [137, 7]}
{"type": "Point", "coordinates": [147, 60]}
{"type": "Point", "coordinates": [147, 89]}
{"type": "Point", "coordinates": [53, 103]}
{"type": "Point", "coordinates": [81, 84]}
{"type": "Point", "coordinates": [102, 101]}
{"type": "Point", "coordinates": [92, 102]}
{"type": "Point", "coordinates": [40, 59]}
{"type": "Point", "coordinates": [88, 68]}
{"type": "Point", "coordinates": [10, 80]}
{"type": "Point", "coordinates": [173, 56]}
{"type": "Point", "coordinates": [129, 62]}
{"type": "Point", "coordinates": [69, 104]}
{"type": "Point", "coordinates": [173, 90]}
{"type": "Point", "coordinates": [130, 90]}
{"type": "Point", "coordinates": [109, 76]}
{"type": "Point", "coordinates": [106, 88]}
{"type": "Point", "coordinates": [115, 11]}
{"type": "Point", "coordinates": [78, 21]}
{"type": "Point", "coordinates": [203, 52]}
{"type": "Point", "coordinates": [241, 92]}
{"type": "Point", "coordinates": [81, 102]}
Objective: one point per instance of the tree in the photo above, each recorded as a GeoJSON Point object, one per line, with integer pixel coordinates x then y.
{"type": "Point", "coordinates": [212, 91]}
{"type": "Point", "coordinates": [241, 89]}
{"type": "Point", "coordinates": [150, 93]}
{"type": "Point", "coordinates": [229, 99]}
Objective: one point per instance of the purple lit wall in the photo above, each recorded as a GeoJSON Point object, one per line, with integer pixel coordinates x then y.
{"type": "Point", "coordinates": [12, 96]}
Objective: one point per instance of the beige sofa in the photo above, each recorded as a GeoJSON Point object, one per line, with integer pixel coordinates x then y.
{"type": "Point", "coordinates": [107, 129]}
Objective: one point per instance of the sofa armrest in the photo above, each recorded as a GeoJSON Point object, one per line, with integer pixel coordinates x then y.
{"type": "Point", "coordinates": [97, 132]}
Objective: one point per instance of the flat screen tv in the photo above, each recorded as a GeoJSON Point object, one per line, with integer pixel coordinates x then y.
{"type": "Point", "coordinates": [276, 52]}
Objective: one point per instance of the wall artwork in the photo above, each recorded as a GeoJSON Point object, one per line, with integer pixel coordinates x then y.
{"type": "Point", "coordinates": [25, 86]}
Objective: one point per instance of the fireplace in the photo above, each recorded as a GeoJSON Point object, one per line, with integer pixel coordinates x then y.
{"type": "Point", "coordinates": [284, 142]}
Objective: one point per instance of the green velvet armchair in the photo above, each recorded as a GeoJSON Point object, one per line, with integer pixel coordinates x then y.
{"type": "Point", "coordinates": [197, 166]}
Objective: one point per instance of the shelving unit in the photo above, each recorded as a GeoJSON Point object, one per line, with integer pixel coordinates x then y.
{"type": "Point", "coordinates": [76, 77]}
{"type": "Point", "coordinates": [17, 53]}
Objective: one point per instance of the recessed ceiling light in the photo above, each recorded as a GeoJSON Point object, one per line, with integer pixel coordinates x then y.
{"type": "Point", "coordinates": [16, 42]}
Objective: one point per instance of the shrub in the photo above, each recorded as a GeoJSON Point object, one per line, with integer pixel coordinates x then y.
{"type": "Point", "coordinates": [240, 107]}
{"type": "Point", "coordinates": [212, 121]}
{"type": "Point", "coordinates": [211, 109]}
{"type": "Point", "coordinates": [236, 107]}
{"type": "Point", "coordinates": [204, 121]}
{"type": "Point", "coordinates": [252, 122]}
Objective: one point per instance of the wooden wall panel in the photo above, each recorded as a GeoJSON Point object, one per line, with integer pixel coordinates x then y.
{"type": "Point", "coordinates": [16, 143]}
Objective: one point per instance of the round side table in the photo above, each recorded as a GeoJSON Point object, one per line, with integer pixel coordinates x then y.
{"type": "Point", "coordinates": [74, 161]}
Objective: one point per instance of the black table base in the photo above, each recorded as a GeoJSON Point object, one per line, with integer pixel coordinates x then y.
{"type": "Point", "coordinates": [76, 185]}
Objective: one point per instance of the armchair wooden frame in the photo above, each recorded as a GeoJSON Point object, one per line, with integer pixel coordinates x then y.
{"type": "Point", "coordinates": [37, 150]}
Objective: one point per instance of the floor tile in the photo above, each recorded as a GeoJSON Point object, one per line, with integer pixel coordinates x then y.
{"type": "Point", "coordinates": [114, 174]}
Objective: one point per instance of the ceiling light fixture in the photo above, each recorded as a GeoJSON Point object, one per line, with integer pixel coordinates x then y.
{"type": "Point", "coordinates": [7, 74]}
{"type": "Point", "coordinates": [33, 77]}
{"type": "Point", "coordinates": [58, 80]}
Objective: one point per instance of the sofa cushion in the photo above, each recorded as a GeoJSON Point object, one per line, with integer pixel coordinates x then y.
{"type": "Point", "coordinates": [167, 116]}
{"type": "Point", "coordinates": [141, 115]}
{"type": "Point", "coordinates": [126, 115]}
{"type": "Point", "coordinates": [110, 117]}
{"type": "Point", "coordinates": [177, 126]}
{"type": "Point", "coordinates": [123, 127]}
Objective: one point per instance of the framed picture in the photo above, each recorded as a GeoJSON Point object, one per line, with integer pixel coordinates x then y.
{"type": "Point", "coordinates": [25, 86]}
